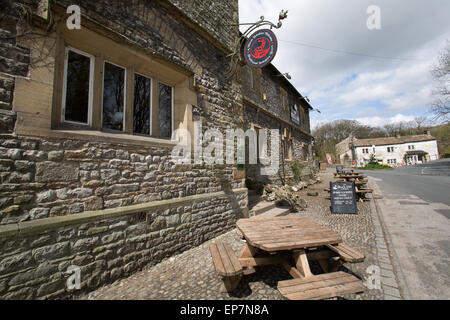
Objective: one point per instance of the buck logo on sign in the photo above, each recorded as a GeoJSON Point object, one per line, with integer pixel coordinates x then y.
{"type": "Point", "coordinates": [260, 48]}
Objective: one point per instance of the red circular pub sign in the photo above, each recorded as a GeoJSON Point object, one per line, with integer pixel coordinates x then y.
{"type": "Point", "coordinates": [260, 48]}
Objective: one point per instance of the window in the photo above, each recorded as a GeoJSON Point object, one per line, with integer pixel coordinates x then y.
{"type": "Point", "coordinates": [295, 114]}
{"type": "Point", "coordinates": [113, 97]}
{"type": "Point", "coordinates": [165, 111]}
{"type": "Point", "coordinates": [390, 149]}
{"type": "Point", "coordinates": [288, 149]}
{"type": "Point", "coordinates": [78, 82]}
{"type": "Point", "coordinates": [252, 78]}
{"type": "Point", "coordinates": [142, 105]}
{"type": "Point", "coordinates": [125, 93]}
{"type": "Point", "coordinates": [411, 147]}
{"type": "Point", "coordinates": [284, 99]}
{"type": "Point", "coordinates": [365, 151]}
{"type": "Point", "coordinates": [392, 161]}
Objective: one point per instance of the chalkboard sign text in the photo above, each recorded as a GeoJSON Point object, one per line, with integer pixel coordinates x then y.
{"type": "Point", "coordinates": [343, 197]}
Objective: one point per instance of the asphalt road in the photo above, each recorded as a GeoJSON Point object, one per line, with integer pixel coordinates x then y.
{"type": "Point", "coordinates": [415, 207]}
{"type": "Point", "coordinates": [429, 181]}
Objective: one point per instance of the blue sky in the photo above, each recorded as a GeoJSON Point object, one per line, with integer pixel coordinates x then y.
{"type": "Point", "coordinates": [383, 77]}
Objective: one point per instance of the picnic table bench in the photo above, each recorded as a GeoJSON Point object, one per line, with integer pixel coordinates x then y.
{"type": "Point", "coordinates": [226, 264]}
{"type": "Point", "coordinates": [322, 286]}
{"type": "Point", "coordinates": [361, 193]}
{"type": "Point", "coordinates": [291, 242]}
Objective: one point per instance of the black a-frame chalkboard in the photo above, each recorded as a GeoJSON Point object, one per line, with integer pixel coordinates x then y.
{"type": "Point", "coordinates": [343, 197]}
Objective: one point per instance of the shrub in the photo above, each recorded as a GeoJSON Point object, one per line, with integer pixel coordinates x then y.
{"type": "Point", "coordinates": [375, 166]}
{"type": "Point", "coordinates": [297, 169]}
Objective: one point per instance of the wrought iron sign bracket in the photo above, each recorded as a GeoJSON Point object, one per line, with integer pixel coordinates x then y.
{"type": "Point", "coordinates": [235, 55]}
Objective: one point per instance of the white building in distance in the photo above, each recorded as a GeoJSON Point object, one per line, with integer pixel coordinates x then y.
{"type": "Point", "coordinates": [392, 151]}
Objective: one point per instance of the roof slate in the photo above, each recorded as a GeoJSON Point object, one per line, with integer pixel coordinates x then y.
{"type": "Point", "coordinates": [392, 140]}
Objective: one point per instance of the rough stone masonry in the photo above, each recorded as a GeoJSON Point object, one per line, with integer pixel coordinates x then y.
{"type": "Point", "coordinates": [113, 208]}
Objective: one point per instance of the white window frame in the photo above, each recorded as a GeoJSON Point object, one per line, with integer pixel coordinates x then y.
{"type": "Point", "coordinates": [151, 105]}
{"type": "Point", "coordinates": [91, 85]}
{"type": "Point", "coordinates": [124, 96]}
{"type": "Point", "coordinates": [171, 108]}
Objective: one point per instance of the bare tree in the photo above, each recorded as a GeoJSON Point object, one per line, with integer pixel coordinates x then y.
{"type": "Point", "coordinates": [441, 74]}
{"type": "Point", "coordinates": [420, 122]}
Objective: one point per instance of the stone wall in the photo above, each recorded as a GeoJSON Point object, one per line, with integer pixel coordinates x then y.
{"type": "Point", "coordinates": [214, 17]}
{"type": "Point", "coordinates": [106, 246]}
{"type": "Point", "coordinates": [43, 178]}
{"type": "Point", "coordinates": [269, 83]}
{"type": "Point", "coordinates": [268, 113]}
{"type": "Point", "coordinates": [14, 60]}
{"type": "Point", "coordinates": [66, 177]}
{"type": "Point", "coordinates": [112, 208]}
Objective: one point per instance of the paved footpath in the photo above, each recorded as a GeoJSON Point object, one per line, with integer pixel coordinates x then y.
{"type": "Point", "coordinates": [419, 234]}
{"type": "Point", "coordinates": [191, 275]}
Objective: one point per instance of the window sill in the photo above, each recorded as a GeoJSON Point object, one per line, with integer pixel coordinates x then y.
{"type": "Point", "coordinates": [99, 136]}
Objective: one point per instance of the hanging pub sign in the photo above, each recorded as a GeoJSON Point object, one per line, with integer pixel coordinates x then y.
{"type": "Point", "coordinates": [295, 114]}
{"type": "Point", "coordinates": [260, 48]}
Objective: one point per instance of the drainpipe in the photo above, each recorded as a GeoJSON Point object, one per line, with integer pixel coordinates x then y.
{"type": "Point", "coordinates": [353, 150]}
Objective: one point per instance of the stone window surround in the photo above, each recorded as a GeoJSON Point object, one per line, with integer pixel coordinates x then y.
{"type": "Point", "coordinates": [183, 95]}
{"type": "Point", "coordinates": [288, 145]}
{"type": "Point", "coordinates": [254, 80]}
{"type": "Point", "coordinates": [284, 99]}
{"type": "Point", "coordinates": [127, 93]}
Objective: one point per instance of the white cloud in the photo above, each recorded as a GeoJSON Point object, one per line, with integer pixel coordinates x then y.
{"type": "Point", "coordinates": [352, 86]}
{"type": "Point", "coordinates": [377, 121]}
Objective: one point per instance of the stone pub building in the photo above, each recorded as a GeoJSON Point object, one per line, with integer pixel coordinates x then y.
{"type": "Point", "coordinates": [86, 119]}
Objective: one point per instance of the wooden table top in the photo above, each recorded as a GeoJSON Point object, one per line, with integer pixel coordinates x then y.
{"type": "Point", "coordinates": [285, 233]}
{"type": "Point", "coordinates": [353, 176]}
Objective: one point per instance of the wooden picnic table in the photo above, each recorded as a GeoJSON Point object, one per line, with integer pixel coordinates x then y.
{"type": "Point", "coordinates": [352, 176]}
{"type": "Point", "coordinates": [357, 182]}
{"type": "Point", "coordinates": [347, 172]}
{"type": "Point", "coordinates": [285, 233]}
{"type": "Point", "coordinates": [291, 242]}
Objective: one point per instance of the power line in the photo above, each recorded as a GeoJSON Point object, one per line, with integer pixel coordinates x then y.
{"type": "Point", "coordinates": [349, 52]}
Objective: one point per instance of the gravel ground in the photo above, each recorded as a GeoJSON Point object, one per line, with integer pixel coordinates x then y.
{"type": "Point", "coordinates": [191, 275]}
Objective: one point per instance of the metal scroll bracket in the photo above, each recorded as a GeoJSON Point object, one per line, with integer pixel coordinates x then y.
{"type": "Point", "coordinates": [235, 55]}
